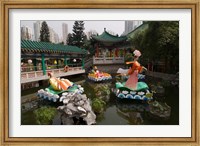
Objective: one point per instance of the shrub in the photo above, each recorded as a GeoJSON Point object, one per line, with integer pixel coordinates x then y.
{"type": "Point", "coordinates": [45, 115]}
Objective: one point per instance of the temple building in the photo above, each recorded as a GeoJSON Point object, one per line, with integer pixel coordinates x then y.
{"type": "Point", "coordinates": [109, 49]}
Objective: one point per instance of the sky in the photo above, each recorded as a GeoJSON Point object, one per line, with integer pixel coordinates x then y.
{"type": "Point", "coordinates": [115, 26]}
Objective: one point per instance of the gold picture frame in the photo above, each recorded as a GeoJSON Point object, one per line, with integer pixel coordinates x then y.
{"type": "Point", "coordinates": [115, 4]}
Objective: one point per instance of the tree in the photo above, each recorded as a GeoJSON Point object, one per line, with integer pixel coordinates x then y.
{"type": "Point", "coordinates": [89, 46]}
{"type": "Point", "coordinates": [78, 36]}
{"type": "Point", "coordinates": [44, 32]}
{"type": "Point", "coordinates": [69, 39]}
{"type": "Point", "coordinates": [160, 42]}
{"type": "Point", "coordinates": [136, 41]}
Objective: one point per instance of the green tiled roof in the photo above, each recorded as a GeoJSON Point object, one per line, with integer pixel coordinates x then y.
{"type": "Point", "coordinates": [33, 46]}
{"type": "Point", "coordinates": [108, 38]}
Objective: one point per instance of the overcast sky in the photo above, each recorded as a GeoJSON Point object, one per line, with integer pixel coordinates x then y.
{"type": "Point", "coordinates": [115, 26]}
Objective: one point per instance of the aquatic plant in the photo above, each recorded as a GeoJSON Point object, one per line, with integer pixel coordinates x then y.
{"type": "Point", "coordinates": [44, 115]}
{"type": "Point", "coordinates": [102, 91]}
{"type": "Point", "coordinates": [98, 105]}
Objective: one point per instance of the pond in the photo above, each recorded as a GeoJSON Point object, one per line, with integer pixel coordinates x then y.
{"type": "Point", "coordinates": [114, 112]}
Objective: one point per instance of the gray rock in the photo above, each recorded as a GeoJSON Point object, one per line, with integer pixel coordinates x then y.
{"type": "Point", "coordinates": [79, 103]}
{"type": "Point", "coordinates": [66, 100]}
{"type": "Point", "coordinates": [84, 97]}
{"type": "Point", "coordinates": [64, 94]}
{"type": "Point", "coordinates": [67, 120]}
{"type": "Point", "coordinates": [72, 96]}
{"type": "Point", "coordinates": [61, 108]}
{"type": "Point", "coordinates": [87, 106]}
{"type": "Point", "coordinates": [68, 111]}
{"type": "Point", "coordinates": [83, 115]}
{"type": "Point", "coordinates": [76, 100]}
{"type": "Point", "coordinates": [62, 98]}
{"type": "Point", "coordinates": [79, 97]}
{"type": "Point", "coordinates": [81, 109]}
{"type": "Point", "coordinates": [71, 107]}
{"type": "Point", "coordinates": [79, 106]}
{"type": "Point", "coordinates": [90, 118]}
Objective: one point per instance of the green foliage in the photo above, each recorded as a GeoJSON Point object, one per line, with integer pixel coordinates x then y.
{"type": "Point", "coordinates": [44, 32]}
{"type": "Point", "coordinates": [102, 91]}
{"type": "Point", "coordinates": [69, 39]}
{"type": "Point", "coordinates": [45, 115]}
{"type": "Point", "coordinates": [129, 57]}
{"type": "Point", "coordinates": [89, 45]}
{"type": "Point", "coordinates": [103, 88]}
{"type": "Point", "coordinates": [98, 105]}
{"type": "Point", "coordinates": [159, 42]}
{"type": "Point", "coordinates": [136, 39]}
{"type": "Point", "coordinates": [78, 36]}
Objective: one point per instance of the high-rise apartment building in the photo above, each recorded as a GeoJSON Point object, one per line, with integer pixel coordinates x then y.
{"type": "Point", "coordinates": [131, 25]}
{"type": "Point", "coordinates": [54, 38]}
{"type": "Point", "coordinates": [37, 26]}
{"type": "Point", "coordinates": [64, 32]}
{"type": "Point", "coordinates": [26, 33]}
{"type": "Point", "coordinates": [128, 27]}
{"type": "Point", "coordinates": [136, 24]}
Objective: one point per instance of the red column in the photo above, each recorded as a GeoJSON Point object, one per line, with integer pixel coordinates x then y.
{"type": "Point", "coordinates": [111, 53]}
{"type": "Point", "coordinates": [117, 52]}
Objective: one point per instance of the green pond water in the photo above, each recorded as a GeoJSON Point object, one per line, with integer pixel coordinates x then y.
{"type": "Point", "coordinates": [115, 112]}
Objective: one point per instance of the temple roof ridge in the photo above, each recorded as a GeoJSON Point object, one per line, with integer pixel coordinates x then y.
{"type": "Point", "coordinates": [107, 37]}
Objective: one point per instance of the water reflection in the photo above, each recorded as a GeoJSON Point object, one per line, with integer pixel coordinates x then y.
{"type": "Point", "coordinates": [134, 118]}
{"type": "Point", "coordinates": [110, 110]}
{"type": "Point", "coordinates": [99, 90]}
{"type": "Point", "coordinates": [132, 111]}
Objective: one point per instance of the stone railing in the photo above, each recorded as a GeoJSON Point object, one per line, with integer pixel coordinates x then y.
{"type": "Point", "coordinates": [38, 75]}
